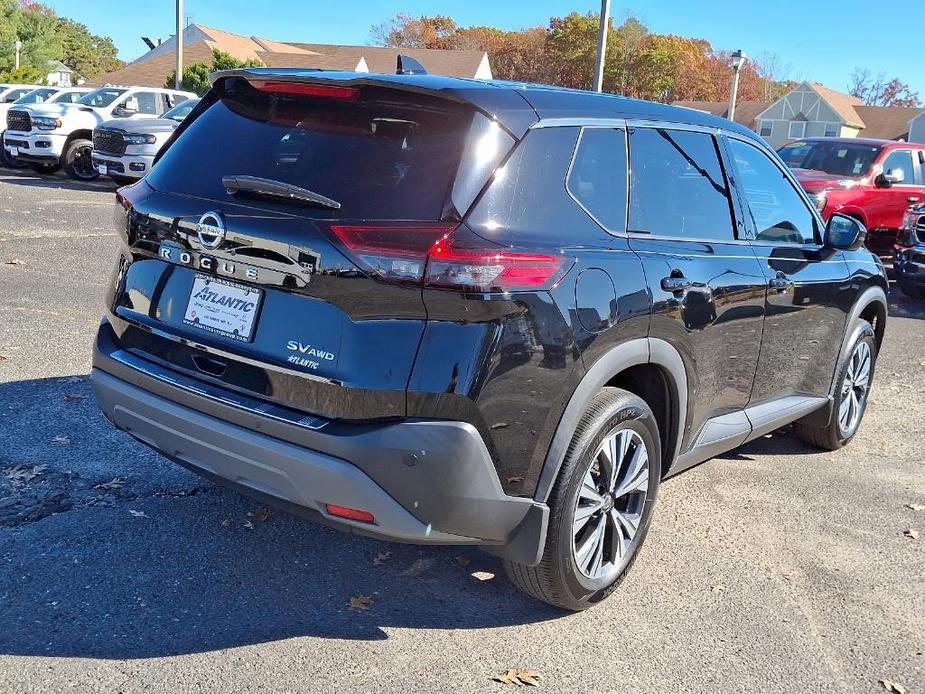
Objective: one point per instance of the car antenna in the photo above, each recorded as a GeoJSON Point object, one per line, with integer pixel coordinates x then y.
{"type": "Point", "coordinates": [409, 66]}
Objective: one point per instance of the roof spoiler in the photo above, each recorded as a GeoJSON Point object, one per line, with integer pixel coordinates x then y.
{"type": "Point", "coordinates": [409, 66]}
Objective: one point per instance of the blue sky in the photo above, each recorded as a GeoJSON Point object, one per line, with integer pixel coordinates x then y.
{"type": "Point", "coordinates": [823, 42]}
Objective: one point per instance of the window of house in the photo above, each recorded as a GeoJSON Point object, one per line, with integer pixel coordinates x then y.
{"type": "Point", "coordinates": [797, 129]}
{"type": "Point", "coordinates": [778, 213]}
{"type": "Point", "coordinates": [678, 188]}
{"type": "Point", "coordinates": [767, 127]}
{"type": "Point", "coordinates": [831, 129]}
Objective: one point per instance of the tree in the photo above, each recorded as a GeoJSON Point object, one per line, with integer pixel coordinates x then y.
{"type": "Point", "coordinates": [878, 91]}
{"type": "Point", "coordinates": [23, 75]}
{"type": "Point", "coordinates": [86, 54]}
{"type": "Point", "coordinates": [405, 31]}
{"type": "Point", "coordinates": [196, 76]}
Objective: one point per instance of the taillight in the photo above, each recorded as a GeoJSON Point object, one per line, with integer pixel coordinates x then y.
{"type": "Point", "coordinates": [324, 91]}
{"type": "Point", "coordinates": [436, 255]}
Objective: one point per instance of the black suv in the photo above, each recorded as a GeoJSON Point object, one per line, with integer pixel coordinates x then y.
{"type": "Point", "coordinates": [456, 312]}
{"type": "Point", "coordinates": [909, 254]}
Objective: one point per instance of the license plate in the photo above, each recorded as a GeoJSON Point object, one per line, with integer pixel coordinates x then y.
{"type": "Point", "coordinates": [223, 308]}
{"type": "Point", "coordinates": [103, 169]}
{"type": "Point", "coordinates": [14, 151]}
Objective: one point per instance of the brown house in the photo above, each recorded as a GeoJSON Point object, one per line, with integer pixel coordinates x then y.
{"type": "Point", "coordinates": [153, 68]}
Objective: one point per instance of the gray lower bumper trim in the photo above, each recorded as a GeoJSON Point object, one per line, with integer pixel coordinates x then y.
{"type": "Point", "coordinates": [249, 459]}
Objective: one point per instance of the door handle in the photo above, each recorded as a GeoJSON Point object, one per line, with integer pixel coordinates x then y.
{"type": "Point", "coordinates": [780, 283]}
{"type": "Point", "coordinates": [676, 283]}
{"type": "Point", "coordinates": [912, 199]}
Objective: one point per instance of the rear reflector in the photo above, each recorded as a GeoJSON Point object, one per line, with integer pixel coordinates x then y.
{"type": "Point", "coordinates": [323, 91]}
{"type": "Point", "coordinates": [440, 255]}
{"type": "Point", "coordinates": [351, 513]}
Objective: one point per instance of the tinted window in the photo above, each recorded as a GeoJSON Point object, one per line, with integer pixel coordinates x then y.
{"type": "Point", "coordinates": [777, 210]}
{"type": "Point", "coordinates": [598, 176]}
{"type": "Point", "coordinates": [148, 103]}
{"type": "Point", "coordinates": [15, 94]}
{"type": "Point", "coordinates": [101, 97]}
{"type": "Point", "coordinates": [36, 96]}
{"type": "Point", "coordinates": [677, 187]}
{"type": "Point", "coordinates": [70, 97]}
{"type": "Point", "coordinates": [384, 155]}
{"type": "Point", "coordinates": [901, 159]}
{"type": "Point", "coordinates": [837, 158]}
{"type": "Point", "coordinates": [178, 113]}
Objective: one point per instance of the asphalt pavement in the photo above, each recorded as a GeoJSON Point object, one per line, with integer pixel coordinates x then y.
{"type": "Point", "coordinates": [774, 568]}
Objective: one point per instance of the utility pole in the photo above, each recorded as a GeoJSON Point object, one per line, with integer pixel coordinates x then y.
{"type": "Point", "coordinates": [601, 45]}
{"type": "Point", "coordinates": [18, 45]}
{"type": "Point", "coordinates": [179, 79]}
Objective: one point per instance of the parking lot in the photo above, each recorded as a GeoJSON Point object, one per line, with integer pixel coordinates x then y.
{"type": "Point", "coordinates": [775, 568]}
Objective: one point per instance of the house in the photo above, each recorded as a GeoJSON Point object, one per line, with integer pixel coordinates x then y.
{"type": "Point", "coordinates": [60, 75]}
{"type": "Point", "coordinates": [153, 68]}
{"type": "Point", "coordinates": [812, 110]}
{"type": "Point", "coordinates": [917, 128]}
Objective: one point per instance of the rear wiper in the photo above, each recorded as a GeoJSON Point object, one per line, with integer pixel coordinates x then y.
{"type": "Point", "coordinates": [277, 189]}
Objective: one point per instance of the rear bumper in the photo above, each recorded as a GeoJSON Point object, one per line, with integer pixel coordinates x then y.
{"type": "Point", "coordinates": [427, 482]}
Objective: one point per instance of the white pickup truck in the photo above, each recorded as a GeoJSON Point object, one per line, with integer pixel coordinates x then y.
{"type": "Point", "coordinates": [49, 136]}
{"type": "Point", "coordinates": [125, 150]}
{"type": "Point", "coordinates": [38, 95]}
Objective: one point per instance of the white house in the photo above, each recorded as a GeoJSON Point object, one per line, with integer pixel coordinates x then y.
{"type": "Point", "coordinates": [60, 75]}
{"type": "Point", "coordinates": [917, 128]}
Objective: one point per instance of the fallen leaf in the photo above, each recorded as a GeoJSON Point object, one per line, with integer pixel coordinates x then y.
{"type": "Point", "coordinates": [74, 397]}
{"type": "Point", "coordinates": [15, 261]}
{"type": "Point", "coordinates": [138, 514]}
{"type": "Point", "coordinates": [462, 561]}
{"type": "Point", "coordinates": [72, 379]}
{"type": "Point", "coordinates": [226, 523]}
{"type": "Point", "coordinates": [482, 575]}
{"type": "Point", "coordinates": [519, 677]}
{"type": "Point", "coordinates": [418, 567]}
{"type": "Point", "coordinates": [499, 425]}
{"type": "Point", "coordinates": [360, 602]}
{"type": "Point", "coordinates": [61, 440]}
{"type": "Point", "coordinates": [381, 558]}
{"type": "Point", "coordinates": [892, 686]}
{"type": "Point", "coordinates": [113, 484]}
{"type": "Point", "coordinates": [718, 588]}
{"type": "Point", "coordinates": [260, 515]}
{"type": "Point", "coordinates": [248, 525]}
{"type": "Point", "coordinates": [911, 532]}
{"type": "Point", "coordinates": [20, 473]}
{"type": "Point", "coordinates": [916, 507]}
{"type": "Point", "coordinates": [3, 358]}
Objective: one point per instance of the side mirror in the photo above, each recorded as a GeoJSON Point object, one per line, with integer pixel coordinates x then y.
{"type": "Point", "coordinates": [125, 111]}
{"type": "Point", "coordinates": [844, 233]}
{"type": "Point", "coordinates": [891, 177]}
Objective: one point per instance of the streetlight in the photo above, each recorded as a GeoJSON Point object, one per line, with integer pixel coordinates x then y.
{"type": "Point", "coordinates": [601, 45]}
{"type": "Point", "coordinates": [18, 45]}
{"type": "Point", "coordinates": [178, 80]}
{"type": "Point", "coordinates": [738, 60]}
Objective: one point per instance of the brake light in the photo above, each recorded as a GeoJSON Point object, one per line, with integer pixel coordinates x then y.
{"type": "Point", "coordinates": [350, 513]}
{"type": "Point", "coordinates": [323, 91]}
{"type": "Point", "coordinates": [440, 255]}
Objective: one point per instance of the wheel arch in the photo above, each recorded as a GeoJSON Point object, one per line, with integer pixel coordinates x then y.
{"type": "Point", "coordinates": [624, 365]}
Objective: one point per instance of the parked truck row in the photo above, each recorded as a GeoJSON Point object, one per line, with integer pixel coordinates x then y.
{"type": "Point", "coordinates": [113, 131]}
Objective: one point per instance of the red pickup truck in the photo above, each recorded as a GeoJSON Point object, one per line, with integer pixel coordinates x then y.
{"type": "Point", "coordinates": [873, 180]}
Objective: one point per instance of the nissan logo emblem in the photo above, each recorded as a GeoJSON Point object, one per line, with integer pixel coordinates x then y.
{"type": "Point", "coordinates": [211, 230]}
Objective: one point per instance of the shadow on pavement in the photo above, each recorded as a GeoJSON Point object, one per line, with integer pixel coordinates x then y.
{"type": "Point", "coordinates": [195, 573]}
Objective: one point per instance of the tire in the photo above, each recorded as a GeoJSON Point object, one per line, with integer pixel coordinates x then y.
{"type": "Point", "coordinates": [78, 163]}
{"type": "Point", "coordinates": [45, 168]}
{"type": "Point", "coordinates": [560, 579]}
{"type": "Point", "coordinates": [912, 291]}
{"type": "Point", "coordinates": [839, 432]}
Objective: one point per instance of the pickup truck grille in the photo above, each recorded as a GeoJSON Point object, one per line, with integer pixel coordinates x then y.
{"type": "Point", "coordinates": [109, 141]}
{"type": "Point", "coordinates": [19, 121]}
{"type": "Point", "coordinates": [920, 229]}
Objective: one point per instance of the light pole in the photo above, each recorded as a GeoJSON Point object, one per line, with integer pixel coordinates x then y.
{"type": "Point", "coordinates": [601, 45]}
{"type": "Point", "coordinates": [738, 60]}
{"type": "Point", "coordinates": [178, 81]}
{"type": "Point", "coordinates": [18, 45]}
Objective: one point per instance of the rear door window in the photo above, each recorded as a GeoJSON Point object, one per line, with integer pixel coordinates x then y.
{"type": "Point", "coordinates": [677, 186]}
{"type": "Point", "coordinates": [381, 153]}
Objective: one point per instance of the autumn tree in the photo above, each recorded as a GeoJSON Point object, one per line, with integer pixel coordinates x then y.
{"type": "Point", "coordinates": [196, 76]}
{"type": "Point", "coordinates": [879, 91]}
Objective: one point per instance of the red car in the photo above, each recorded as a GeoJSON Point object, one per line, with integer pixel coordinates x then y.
{"type": "Point", "coordinates": [873, 180]}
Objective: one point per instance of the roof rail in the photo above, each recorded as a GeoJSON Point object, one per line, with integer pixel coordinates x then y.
{"type": "Point", "coordinates": [409, 66]}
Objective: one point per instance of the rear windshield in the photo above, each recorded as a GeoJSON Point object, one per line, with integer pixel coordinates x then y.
{"type": "Point", "coordinates": [384, 155]}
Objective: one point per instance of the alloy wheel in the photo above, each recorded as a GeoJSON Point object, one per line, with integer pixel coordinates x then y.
{"type": "Point", "coordinates": [610, 503]}
{"type": "Point", "coordinates": [854, 389]}
{"type": "Point", "coordinates": [83, 163]}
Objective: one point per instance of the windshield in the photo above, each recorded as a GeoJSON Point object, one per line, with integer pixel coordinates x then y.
{"type": "Point", "coordinates": [14, 94]}
{"type": "Point", "coordinates": [36, 96]}
{"type": "Point", "coordinates": [836, 158]}
{"type": "Point", "coordinates": [181, 111]}
{"type": "Point", "coordinates": [101, 97]}
{"type": "Point", "coordinates": [381, 154]}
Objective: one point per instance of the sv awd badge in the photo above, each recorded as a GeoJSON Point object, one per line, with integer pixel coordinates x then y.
{"type": "Point", "coordinates": [306, 355]}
